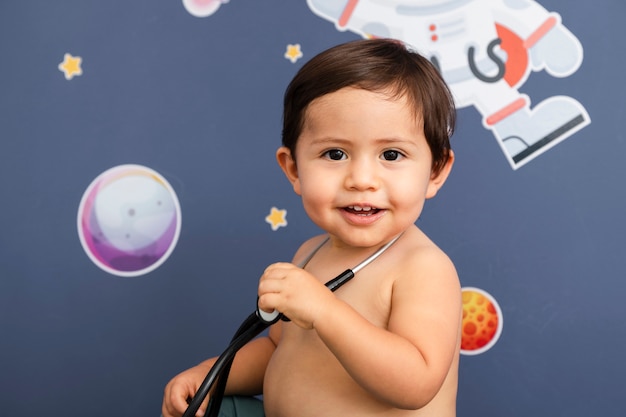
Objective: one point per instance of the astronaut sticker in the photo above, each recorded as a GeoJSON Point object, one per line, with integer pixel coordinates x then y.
{"type": "Point", "coordinates": [485, 50]}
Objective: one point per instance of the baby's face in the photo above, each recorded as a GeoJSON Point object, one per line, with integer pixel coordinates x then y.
{"type": "Point", "coordinates": [363, 166]}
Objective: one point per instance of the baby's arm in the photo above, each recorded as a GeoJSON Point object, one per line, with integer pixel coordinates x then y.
{"type": "Point", "coordinates": [246, 375]}
{"type": "Point", "coordinates": [405, 364]}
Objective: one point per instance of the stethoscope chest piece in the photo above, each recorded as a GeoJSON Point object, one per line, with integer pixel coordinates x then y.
{"type": "Point", "coordinates": [265, 317]}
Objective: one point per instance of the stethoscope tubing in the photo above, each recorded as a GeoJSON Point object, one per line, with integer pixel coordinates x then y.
{"type": "Point", "coordinates": [251, 327]}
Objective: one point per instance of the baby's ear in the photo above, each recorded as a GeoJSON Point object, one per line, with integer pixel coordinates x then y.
{"type": "Point", "coordinates": [437, 180]}
{"type": "Point", "coordinates": [288, 165]}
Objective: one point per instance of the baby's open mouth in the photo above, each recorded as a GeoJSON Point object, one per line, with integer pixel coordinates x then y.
{"type": "Point", "coordinates": [362, 210]}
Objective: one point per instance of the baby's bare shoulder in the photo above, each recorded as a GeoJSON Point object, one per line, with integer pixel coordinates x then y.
{"type": "Point", "coordinates": [419, 257]}
{"type": "Point", "coordinates": [426, 277]}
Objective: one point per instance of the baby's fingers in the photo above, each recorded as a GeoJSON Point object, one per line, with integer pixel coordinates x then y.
{"type": "Point", "coordinates": [176, 401]}
{"type": "Point", "coordinates": [277, 270]}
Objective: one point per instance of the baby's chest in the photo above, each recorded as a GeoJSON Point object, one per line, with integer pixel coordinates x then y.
{"type": "Point", "coordinates": [370, 297]}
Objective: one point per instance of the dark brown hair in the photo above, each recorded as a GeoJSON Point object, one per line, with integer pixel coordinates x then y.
{"type": "Point", "coordinates": [381, 65]}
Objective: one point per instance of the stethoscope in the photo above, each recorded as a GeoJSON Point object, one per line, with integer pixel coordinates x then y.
{"type": "Point", "coordinates": [251, 327]}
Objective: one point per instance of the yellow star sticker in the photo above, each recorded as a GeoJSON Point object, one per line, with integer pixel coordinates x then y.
{"type": "Point", "coordinates": [276, 218]}
{"type": "Point", "coordinates": [71, 66]}
{"type": "Point", "coordinates": [293, 53]}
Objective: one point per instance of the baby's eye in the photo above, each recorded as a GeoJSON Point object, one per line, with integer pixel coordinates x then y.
{"type": "Point", "coordinates": [335, 154]}
{"type": "Point", "coordinates": [391, 155]}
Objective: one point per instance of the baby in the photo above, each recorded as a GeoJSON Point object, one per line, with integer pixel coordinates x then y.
{"type": "Point", "coordinates": [365, 142]}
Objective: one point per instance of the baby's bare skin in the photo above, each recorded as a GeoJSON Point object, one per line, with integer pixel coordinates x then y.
{"type": "Point", "coordinates": [301, 376]}
{"type": "Point", "coordinates": [304, 378]}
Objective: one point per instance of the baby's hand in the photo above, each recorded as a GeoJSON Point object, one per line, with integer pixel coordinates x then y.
{"type": "Point", "coordinates": [180, 389]}
{"type": "Point", "coordinates": [294, 292]}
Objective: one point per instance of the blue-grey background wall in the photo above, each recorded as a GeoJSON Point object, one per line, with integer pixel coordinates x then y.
{"type": "Point", "coordinates": [198, 100]}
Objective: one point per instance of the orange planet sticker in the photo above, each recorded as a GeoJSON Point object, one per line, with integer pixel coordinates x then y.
{"type": "Point", "coordinates": [482, 321]}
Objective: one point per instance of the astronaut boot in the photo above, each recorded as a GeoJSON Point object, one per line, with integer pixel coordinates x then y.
{"type": "Point", "coordinates": [525, 134]}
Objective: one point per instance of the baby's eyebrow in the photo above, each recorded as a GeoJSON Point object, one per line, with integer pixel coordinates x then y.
{"type": "Point", "coordinates": [324, 141]}
{"type": "Point", "coordinates": [395, 141]}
